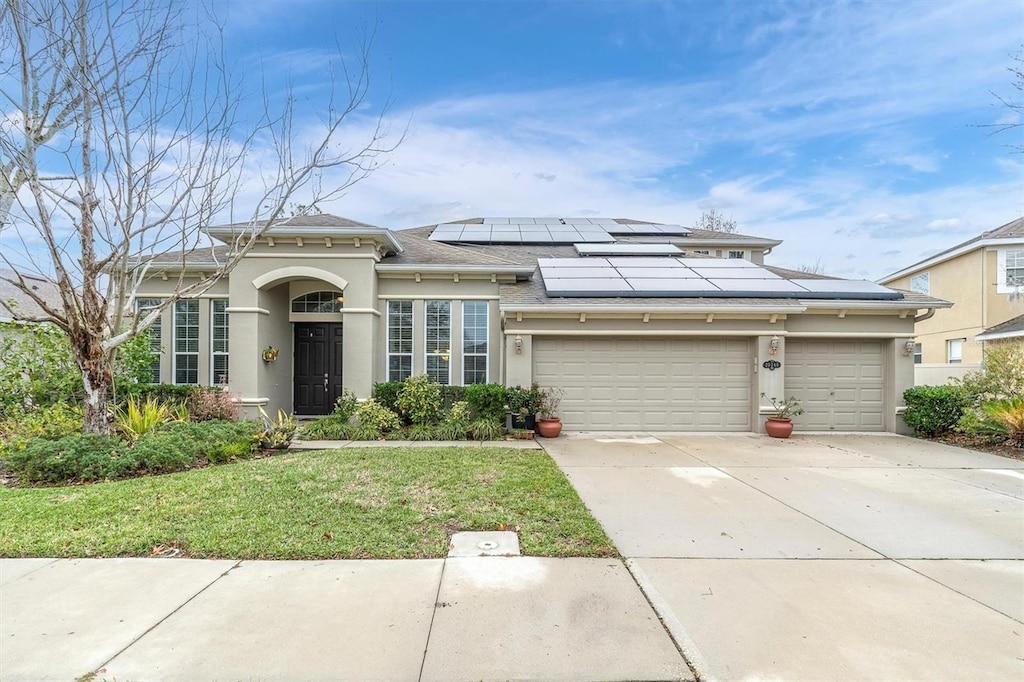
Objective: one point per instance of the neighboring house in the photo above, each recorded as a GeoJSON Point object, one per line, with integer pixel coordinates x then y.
{"type": "Point", "coordinates": [984, 279]}
{"type": "Point", "coordinates": [22, 304]}
{"type": "Point", "coordinates": [641, 329]}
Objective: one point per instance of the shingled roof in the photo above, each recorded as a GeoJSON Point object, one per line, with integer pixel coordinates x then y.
{"type": "Point", "coordinates": [22, 304]}
{"type": "Point", "coordinates": [1011, 230]}
{"type": "Point", "coordinates": [1012, 328]}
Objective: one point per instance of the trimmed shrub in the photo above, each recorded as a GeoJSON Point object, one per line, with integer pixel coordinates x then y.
{"type": "Point", "coordinates": [215, 440]}
{"type": "Point", "coordinates": [451, 395]}
{"type": "Point", "coordinates": [162, 453]}
{"type": "Point", "coordinates": [377, 417]}
{"type": "Point", "coordinates": [82, 457]}
{"type": "Point", "coordinates": [933, 410]}
{"type": "Point", "coordinates": [386, 393]}
{"type": "Point", "coordinates": [209, 402]}
{"type": "Point", "coordinates": [419, 401]}
{"type": "Point", "coordinates": [345, 406]}
{"type": "Point", "coordinates": [487, 401]}
{"type": "Point", "coordinates": [1001, 375]}
{"type": "Point", "coordinates": [163, 393]}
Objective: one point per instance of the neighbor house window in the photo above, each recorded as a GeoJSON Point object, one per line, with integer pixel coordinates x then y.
{"type": "Point", "coordinates": [702, 252]}
{"type": "Point", "coordinates": [155, 332]}
{"type": "Point", "coordinates": [1013, 272]}
{"type": "Point", "coordinates": [474, 342]}
{"type": "Point", "coordinates": [918, 354]}
{"type": "Point", "coordinates": [439, 341]}
{"type": "Point", "coordinates": [319, 302]}
{"type": "Point", "coordinates": [955, 351]}
{"type": "Point", "coordinates": [219, 341]}
{"type": "Point", "coordinates": [921, 283]}
{"type": "Point", "coordinates": [186, 342]}
{"type": "Point", "coordinates": [399, 340]}
{"type": "Point", "coordinates": [736, 254]}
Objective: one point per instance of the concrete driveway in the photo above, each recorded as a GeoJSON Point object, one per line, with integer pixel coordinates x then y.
{"type": "Point", "coordinates": [818, 557]}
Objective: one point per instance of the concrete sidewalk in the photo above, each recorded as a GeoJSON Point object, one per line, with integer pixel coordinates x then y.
{"type": "Point", "coordinates": [441, 619]}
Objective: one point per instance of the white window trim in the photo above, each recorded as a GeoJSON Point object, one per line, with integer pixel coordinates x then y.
{"type": "Point", "coordinates": [426, 330]}
{"type": "Point", "coordinates": [949, 351]}
{"type": "Point", "coordinates": [1001, 286]}
{"type": "Point", "coordinates": [174, 342]}
{"type": "Point", "coordinates": [486, 355]}
{"type": "Point", "coordinates": [742, 254]}
{"type": "Point", "coordinates": [918, 353]}
{"type": "Point", "coordinates": [158, 326]}
{"type": "Point", "coordinates": [215, 353]}
{"type": "Point", "coordinates": [387, 340]}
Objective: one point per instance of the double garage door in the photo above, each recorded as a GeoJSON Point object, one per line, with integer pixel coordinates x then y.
{"type": "Point", "coordinates": [658, 384]}
{"type": "Point", "coordinates": [706, 384]}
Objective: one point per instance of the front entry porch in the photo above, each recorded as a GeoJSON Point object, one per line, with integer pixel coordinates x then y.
{"type": "Point", "coordinates": [317, 367]}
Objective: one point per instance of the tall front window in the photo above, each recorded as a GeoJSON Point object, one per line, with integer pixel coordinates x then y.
{"type": "Point", "coordinates": [1014, 268]}
{"type": "Point", "coordinates": [399, 340]}
{"type": "Point", "coordinates": [439, 341]}
{"type": "Point", "coordinates": [144, 306]}
{"type": "Point", "coordinates": [474, 342]}
{"type": "Point", "coordinates": [219, 341]}
{"type": "Point", "coordinates": [186, 342]}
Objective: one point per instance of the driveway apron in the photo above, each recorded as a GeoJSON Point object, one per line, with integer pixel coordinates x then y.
{"type": "Point", "coordinates": [819, 557]}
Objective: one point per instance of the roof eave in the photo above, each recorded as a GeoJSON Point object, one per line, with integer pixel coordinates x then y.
{"type": "Point", "coordinates": [985, 336]}
{"type": "Point", "coordinates": [227, 234]}
{"type": "Point", "coordinates": [955, 253]}
{"type": "Point", "coordinates": [454, 267]}
{"type": "Point", "coordinates": [647, 308]}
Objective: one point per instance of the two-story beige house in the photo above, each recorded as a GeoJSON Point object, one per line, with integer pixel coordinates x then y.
{"type": "Point", "coordinates": [983, 278]}
{"type": "Point", "coordinates": [644, 326]}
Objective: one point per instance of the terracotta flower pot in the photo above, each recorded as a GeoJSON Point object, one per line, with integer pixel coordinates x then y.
{"type": "Point", "coordinates": [779, 427]}
{"type": "Point", "coordinates": [549, 427]}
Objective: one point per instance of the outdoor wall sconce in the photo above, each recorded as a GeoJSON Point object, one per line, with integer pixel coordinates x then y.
{"type": "Point", "coordinates": [519, 345]}
{"type": "Point", "coordinates": [773, 345]}
{"type": "Point", "coordinates": [270, 354]}
{"type": "Point", "coordinates": [908, 347]}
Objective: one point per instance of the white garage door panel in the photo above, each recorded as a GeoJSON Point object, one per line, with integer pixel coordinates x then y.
{"type": "Point", "coordinates": [838, 382]}
{"type": "Point", "coordinates": [648, 384]}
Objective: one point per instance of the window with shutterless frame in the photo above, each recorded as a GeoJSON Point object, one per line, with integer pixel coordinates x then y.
{"type": "Point", "coordinates": [955, 351]}
{"type": "Point", "coordinates": [474, 342]}
{"type": "Point", "coordinates": [144, 306]}
{"type": "Point", "coordinates": [399, 340]}
{"type": "Point", "coordinates": [438, 332]}
{"type": "Point", "coordinates": [219, 341]}
{"type": "Point", "coordinates": [186, 341]}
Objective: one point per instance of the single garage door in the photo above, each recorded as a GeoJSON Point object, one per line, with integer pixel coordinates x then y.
{"type": "Point", "coordinates": [838, 382]}
{"type": "Point", "coordinates": [664, 384]}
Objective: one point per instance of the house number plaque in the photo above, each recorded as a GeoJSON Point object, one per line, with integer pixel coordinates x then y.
{"type": "Point", "coordinates": [771, 365]}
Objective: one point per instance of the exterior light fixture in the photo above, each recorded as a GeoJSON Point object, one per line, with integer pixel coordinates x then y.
{"type": "Point", "coordinates": [773, 345]}
{"type": "Point", "coordinates": [519, 345]}
{"type": "Point", "coordinates": [908, 347]}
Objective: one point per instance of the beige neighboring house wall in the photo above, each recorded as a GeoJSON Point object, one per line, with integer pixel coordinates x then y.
{"type": "Point", "coordinates": [972, 276]}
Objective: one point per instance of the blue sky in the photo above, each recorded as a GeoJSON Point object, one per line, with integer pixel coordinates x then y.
{"type": "Point", "coordinates": [848, 130]}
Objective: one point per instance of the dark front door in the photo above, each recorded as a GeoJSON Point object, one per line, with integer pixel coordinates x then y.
{"type": "Point", "coordinates": [317, 366]}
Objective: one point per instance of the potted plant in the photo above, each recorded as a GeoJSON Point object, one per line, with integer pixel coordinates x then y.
{"type": "Point", "coordinates": [277, 434]}
{"type": "Point", "coordinates": [549, 425]}
{"type": "Point", "coordinates": [523, 404]}
{"type": "Point", "coordinates": [780, 425]}
{"type": "Point", "coordinates": [270, 354]}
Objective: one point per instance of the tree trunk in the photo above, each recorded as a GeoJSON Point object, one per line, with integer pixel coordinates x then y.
{"type": "Point", "coordinates": [97, 378]}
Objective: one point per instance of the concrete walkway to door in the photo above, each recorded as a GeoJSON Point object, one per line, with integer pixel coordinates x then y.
{"type": "Point", "coordinates": [819, 557]}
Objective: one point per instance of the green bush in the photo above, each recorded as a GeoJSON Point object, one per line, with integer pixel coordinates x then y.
{"type": "Point", "coordinates": [82, 457]}
{"type": "Point", "coordinates": [386, 393]}
{"type": "Point", "coordinates": [52, 422]}
{"type": "Point", "coordinates": [451, 395]}
{"type": "Point", "coordinates": [162, 453]}
{"type": "Point", "coordinates": [373, 415]}
{"type": "Point", "coordinates": [486, 429]}
{"type": "Point", "coordinates": [326, 428]}
{"type": "Point", "coordinates": [216, 440]}
{"type": "Point", "coordinates": [345, 406]}
{"type": "Point", "coordinates": [487, 401]}
{"type": "Point", "coordinates": [451, 430]}
{"type": "Point", "coordinates": [1009, 415]}
{"type": "Point", "coordinates": [1001, 375]}
{"type": "Point", "coordinates": [173, 394]}
{"type": "Point", "coordinates": [421, 432]}
{"type": "Point", "coordinates": [206, 403]}
{"type": "Point", "coordinates": [524, 401]}
{"type": "Point", "coordinates": [933, 410]}
{"type": "Point", "coordinates": [364, 432]}
{"type": "Point", "coordinates": [419, 401]}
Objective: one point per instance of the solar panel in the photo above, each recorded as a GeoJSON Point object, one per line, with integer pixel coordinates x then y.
{"type": "Point", "coordinates": [718, 263]}
{"type": "Point", "coordinates": [571, 262]}
{"type": "Point", "coordinates": [587, 287]}
{"type": "Point", "coordinates": [745, 286]}
{"type": "Point", "coordinates": [627, 249]}
{"type": "Point", "coordinates": [735, 273]}
{"type": "Point", "coordinates": [578, 273]}
{"type": "Point", "coordinates": [846, 288]}
{"type": "Point", "coordinates": [658, 273]}
{"type": "Point", "coordinates": [673, 287]}
{"type": "Point", "coordinates": [648, 229]}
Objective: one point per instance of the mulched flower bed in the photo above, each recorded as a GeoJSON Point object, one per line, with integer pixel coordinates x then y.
{"type": "Point", "coordinates": [962, 440]}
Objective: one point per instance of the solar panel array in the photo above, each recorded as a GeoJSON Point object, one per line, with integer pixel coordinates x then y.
{"type": "Point", "coordinates": [692, 277]}
{"type": "Point", "coordinates": [548, 231]}
{"type": "Point", "coordinates": [628, 250]}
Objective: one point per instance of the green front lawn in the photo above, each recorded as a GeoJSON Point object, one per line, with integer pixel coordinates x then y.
{"type": "Point", "coordinates": [394, 503]}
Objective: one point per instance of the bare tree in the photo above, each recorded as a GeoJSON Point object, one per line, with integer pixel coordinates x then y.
{"type": "Point", "coordinates": [1014, 103]}
{"type": "Point", "coordinates": [713, 220]}
{"type": "Point", "coordinates": [119, 142]}
{"type": "Point", "coordinates": [815, 268]}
